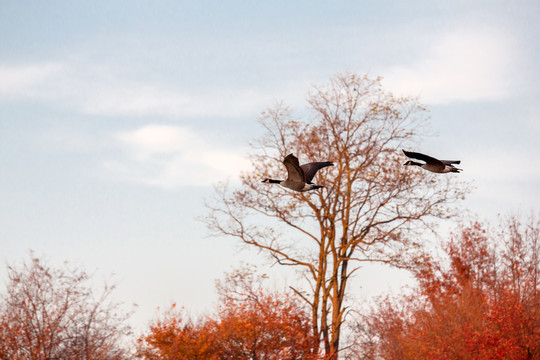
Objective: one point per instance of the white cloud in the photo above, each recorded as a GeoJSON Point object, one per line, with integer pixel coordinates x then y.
{"type": "Point", "coordinates": [24, 80]}
{"type": "Point", "coordinates": [125, 99]}
{"type": "Point", "coordinates": [155, 139]}
{"type": "Point", "coordinates": [172, 156]}
{"type": "Point", "coordinates": [461, 65]}
{"type": "Point", "coordinates": [99, 90]}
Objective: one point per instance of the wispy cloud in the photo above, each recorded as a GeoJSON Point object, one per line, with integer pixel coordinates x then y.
{"type": "Point", "coordinates": [25, 80]}
{"type": "Point", "coordinates": [145, 100]}
{"type": "Point", "coordinates": [99, 90]}
{"type": "Point", "coordinates": [466, 64]}
{"type": "Point", "coordinates": [172, 156]}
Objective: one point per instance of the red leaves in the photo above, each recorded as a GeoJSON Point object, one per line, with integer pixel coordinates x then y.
{"type": "Point", "coordinates": [481, 304]}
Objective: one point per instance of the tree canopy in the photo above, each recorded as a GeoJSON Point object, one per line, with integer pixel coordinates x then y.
{"type": "Point", "coordinates": [250, 324]}
{"type": "Point", "coordinates": [480, 301]}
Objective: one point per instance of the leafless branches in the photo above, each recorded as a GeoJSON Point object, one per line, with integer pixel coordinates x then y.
{"type": "Point", "coordinates": [369, 209]}
{"type": "Point", "coordinates": [52, 313]}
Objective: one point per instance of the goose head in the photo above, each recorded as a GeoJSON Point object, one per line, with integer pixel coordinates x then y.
{"type": "Point", "coordinates": [410, 162]}
{"type": "Point", "coordinates": [271, 181]}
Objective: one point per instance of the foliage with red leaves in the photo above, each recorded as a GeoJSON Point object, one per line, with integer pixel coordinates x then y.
{"type": "Point", "coordinates": [481, 302]}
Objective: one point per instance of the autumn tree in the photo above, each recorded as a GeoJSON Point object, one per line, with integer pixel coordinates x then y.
{"type": "Point", "coordinates": [481, 301]}
{"type": "Point", "coordinates": [53, 313]}
{"type": "Point", "coordinates": [251, 324]}
{"type": "Point", "coordinates": [371, 208]}
{"type": "Point", "coordinates": [175, 336]}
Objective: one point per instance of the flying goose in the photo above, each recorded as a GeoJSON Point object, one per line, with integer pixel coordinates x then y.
{"type": "Point", "coordinates": [299, 177]}
{"type": "Point", "coordinates": [432, 164]}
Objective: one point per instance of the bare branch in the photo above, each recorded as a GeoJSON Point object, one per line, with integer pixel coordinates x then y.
{"type": "Point", "coordinates": [371, 206]}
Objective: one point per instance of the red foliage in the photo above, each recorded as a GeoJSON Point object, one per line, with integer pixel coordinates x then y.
{"type": "Point", "coordinates": [485, 304]}
{"type": "Point", "coordinates": [262, 327]}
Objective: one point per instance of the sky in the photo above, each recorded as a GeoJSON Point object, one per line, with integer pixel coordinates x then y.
{"type": "Point", "coordinates": [117, 117]}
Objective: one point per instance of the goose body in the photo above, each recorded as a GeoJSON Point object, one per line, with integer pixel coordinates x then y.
{"type": "Point", "coordinates": [299, 177]}
{"type": "Point", "coordinates": [432, 164]}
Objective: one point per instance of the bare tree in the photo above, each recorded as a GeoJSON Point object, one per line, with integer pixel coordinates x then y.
{"type": "Point", "coordinates": [369, 209]}
{"type": "Point", "coordinates": [50, 313]}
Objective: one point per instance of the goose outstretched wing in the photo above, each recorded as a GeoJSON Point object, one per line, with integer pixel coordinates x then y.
{"type": "Point", "coordinates": [423, 157]}
{"type": "Point", "coordinates": [450, 162]}
{"type": "Point", "coordinates": [310, 169]}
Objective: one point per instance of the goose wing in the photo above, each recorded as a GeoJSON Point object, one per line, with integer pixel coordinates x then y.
{"type": "Point", "coordinates": [428, 159]}
{"type": "Point", "coordinates": [294, 171]}
{"type": "Point", "coordinates": [310, 169]}
{"type": "Point", "coordinates": [450, 162]}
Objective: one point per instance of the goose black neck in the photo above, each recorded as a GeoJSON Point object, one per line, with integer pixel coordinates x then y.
{"type": "Point", "coordinates": [272, 181]}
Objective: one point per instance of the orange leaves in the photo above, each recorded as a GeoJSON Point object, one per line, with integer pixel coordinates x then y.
{"type": "Point", "coordinates": [173, 337]}
{"type": "Point", "coordinates": [268, 326]}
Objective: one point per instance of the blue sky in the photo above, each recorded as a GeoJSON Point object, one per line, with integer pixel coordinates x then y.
{"type": "Point", "coordinates": [117, 116]}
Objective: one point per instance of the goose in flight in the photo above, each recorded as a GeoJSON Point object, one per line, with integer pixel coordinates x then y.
{"type": "Point", "coordinates": [432, 164]}
{"type": "Point", "coordinates": [299, 176]}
